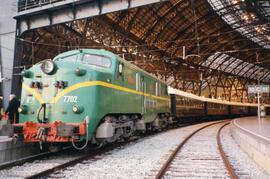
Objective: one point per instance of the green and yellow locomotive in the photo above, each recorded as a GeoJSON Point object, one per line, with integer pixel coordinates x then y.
{"type": "Point", "coordinates": [90, 95]}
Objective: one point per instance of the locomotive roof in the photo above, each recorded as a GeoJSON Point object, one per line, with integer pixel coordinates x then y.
{"type": "Point", "coordinates": [109, 54]}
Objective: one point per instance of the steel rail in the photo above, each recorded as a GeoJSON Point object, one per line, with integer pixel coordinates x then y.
{"type": "Point", "coordinates": [43, 155]}
{"type": "Point", "coordinates": [223, 155]}
{"type": "Point", "coordinates": [166, 165]}
{"type": "Point", "coordinates": [93, 153]}
{"type": "Point", "coordinates": [88, 156]}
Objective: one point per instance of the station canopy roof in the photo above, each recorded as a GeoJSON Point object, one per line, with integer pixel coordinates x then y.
{"type": "Point", "coordinates": [231, 36]}
{"type": "Point", "coordinates": [248, 17]}
{"type": "Point", "coordinates": [251, 19]}
{"type": "Point", "coordinates": [231, 65]}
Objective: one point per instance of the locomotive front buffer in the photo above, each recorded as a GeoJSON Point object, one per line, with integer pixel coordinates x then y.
{"type": "Point", "coordinates": [57, 131]}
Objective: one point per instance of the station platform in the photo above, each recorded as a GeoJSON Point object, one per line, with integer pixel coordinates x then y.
{"type": "Point", "coordinates": [11, 149]}
{"type": "Point", "coordinates": [253, 136]}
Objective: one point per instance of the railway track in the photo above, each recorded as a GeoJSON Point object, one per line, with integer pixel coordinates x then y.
{"type": "Point", "coordinates": [199, 155]}
{"type": "Point", "coordinates": [46, 163]}
{"type": "Point", "coordinates": [46, 166]}
{"type": "Point", "coordinates": [52, 165]}
{"type": "Point", "coordinates": [49, 163]}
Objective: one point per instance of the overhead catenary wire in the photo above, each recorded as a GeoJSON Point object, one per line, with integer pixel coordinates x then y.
{"type": "Point", "coordinates": [205, 54]}
{"type": "Point", "coordinates": [149, 51]}
{"type": "Point", "coordinates": [202, 54]}
{"type": "Point", "coordinates": [156, 50]}
{"type": "Point", "coordinates": [133, 46]}
{"type": "Point", "coordinates": [140, 45]}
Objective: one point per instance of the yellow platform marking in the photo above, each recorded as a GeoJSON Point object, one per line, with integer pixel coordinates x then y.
{"type": "Point", "coordinates": [88, 84]}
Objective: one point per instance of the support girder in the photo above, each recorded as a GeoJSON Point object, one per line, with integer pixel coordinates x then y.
{"type": "Point", "coordinates": [69, 10]}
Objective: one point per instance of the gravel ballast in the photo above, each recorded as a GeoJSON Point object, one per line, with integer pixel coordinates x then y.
{"type": "Point", "coordinates": [142, 159]}
{"type": "Point", "coordinates": [138, 160]}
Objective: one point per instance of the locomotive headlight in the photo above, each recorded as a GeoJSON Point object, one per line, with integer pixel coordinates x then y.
{"type": "Point", "coordinates": [48, 67]}
{"type": "Point", "coordinates": [77, 109]}
{"type": "Point", "coordinates": [22, 109]}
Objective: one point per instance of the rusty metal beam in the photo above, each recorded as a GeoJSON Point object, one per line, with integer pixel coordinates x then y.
{"type": "Point", "coordinates": [174, 6]}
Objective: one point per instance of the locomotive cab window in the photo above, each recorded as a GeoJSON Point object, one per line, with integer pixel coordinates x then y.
{"type": "Point", "coordinates": [97, 60]}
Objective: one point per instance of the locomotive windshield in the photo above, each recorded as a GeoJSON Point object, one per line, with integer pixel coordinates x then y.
{"type": "Point", "coordinates": [71, 58]}
{"type": "Point", "coordinates": [97, 60]}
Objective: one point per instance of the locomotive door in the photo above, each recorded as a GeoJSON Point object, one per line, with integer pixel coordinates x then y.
{"type": "Point", "coordinates": [143, 95]}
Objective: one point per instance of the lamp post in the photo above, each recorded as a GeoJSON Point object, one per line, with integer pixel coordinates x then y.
{"type": "Point", "coordinates": [258, 94]}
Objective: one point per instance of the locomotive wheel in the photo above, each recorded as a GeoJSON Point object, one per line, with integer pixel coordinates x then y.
{"type": "Point", "coordinates": [100, 145]}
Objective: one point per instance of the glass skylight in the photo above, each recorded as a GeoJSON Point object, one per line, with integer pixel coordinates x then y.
{"type": "Point", "coordinates": [236, 14]}
{"type": "Point", "coordinates": [228, 64]}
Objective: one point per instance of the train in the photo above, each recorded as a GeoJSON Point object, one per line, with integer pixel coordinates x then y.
{"type": "Point", "coordinates": [93, 96]}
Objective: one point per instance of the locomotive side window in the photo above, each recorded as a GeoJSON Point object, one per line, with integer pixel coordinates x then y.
{"type": "Point", "coordinates": [97, 60]}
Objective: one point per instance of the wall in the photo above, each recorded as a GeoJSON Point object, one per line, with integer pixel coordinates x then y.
{"type": "Point", "coordinates": [8, 9]}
